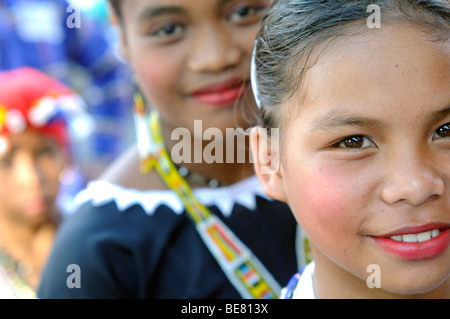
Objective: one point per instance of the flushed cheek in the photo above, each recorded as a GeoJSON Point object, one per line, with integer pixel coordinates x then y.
{"type": "Point", "coordinates": [323, 193]}
{"type": "Point", "coordinates": [325, 203]}
{"type": "Point", "coordinates": [155, 80]}
{"type": "Point", "coordinates": [4, 196]}
{"type": "Point", "coordinates": [156, 71]}
{"type": "Point", "coordinates": [52, 187]}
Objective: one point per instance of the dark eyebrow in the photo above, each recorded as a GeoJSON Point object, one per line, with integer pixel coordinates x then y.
{"type": "Point", "coordinates": [9, 152]}
{"type": "Point", "coordinates": [152, 12]}
{"type": "Point", "coordinates": [223, 2]}
{"type": "Point", "coordinates": [439, 115]}
{"type": "Point", "coordinates": [333, 120]}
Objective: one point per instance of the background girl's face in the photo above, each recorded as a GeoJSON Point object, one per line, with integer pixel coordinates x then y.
{"type": "Point", "coordinates": [29, 174]}
{"type": "Point", "coordinates": [366, 156]}
{"type": "Point", "coordinates": [192, 58]}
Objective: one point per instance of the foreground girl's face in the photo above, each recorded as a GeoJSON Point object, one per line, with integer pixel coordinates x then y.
{"type": "Point", "coordinates": [366, 160]}
{"type": "Point", "coordinates": [192, 58]}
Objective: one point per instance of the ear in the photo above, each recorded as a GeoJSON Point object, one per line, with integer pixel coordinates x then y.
{"type": "Point", "coordinates": [117, 23]}
{"type": "Point", "coordinates": [267, 164]}
{"type": "Point", "coordinates": [123, 44]}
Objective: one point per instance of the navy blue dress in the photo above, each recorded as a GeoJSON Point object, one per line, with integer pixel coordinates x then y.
{"type": "Point", "coordinates": [140, 244]}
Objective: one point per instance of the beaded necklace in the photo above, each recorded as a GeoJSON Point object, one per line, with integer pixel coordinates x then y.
{"type": "Point", "coordinates": [197, 178]}
{"type": "Point", "coordinates": [243, 269]}
{"type": "Point", "coordinates": [12, 285]}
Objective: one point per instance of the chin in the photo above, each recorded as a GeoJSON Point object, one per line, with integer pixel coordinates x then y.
{"type": "Point", "coordinates": [39, 217]}
{"type": "Point", "coordinates": [420, 286]}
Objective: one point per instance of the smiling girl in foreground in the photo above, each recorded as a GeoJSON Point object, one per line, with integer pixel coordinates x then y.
{"type": "Point", "coordinates": [364, 157]}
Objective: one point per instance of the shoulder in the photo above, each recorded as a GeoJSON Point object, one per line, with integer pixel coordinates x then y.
{"type": "Point", "coordinates": [125, 172]}
{"type": "Point", "coordinates": [116, 247]}
{"type": "Point", "coordinates": [247, 193]}
{"type": "Point", "coordinates": [104, 210]}
{"type": "Point", "coordinates": [115, 229]}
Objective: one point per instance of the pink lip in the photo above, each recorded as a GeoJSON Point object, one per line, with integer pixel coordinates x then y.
{"type": "Point", "coordinates": [221, 94]}
{"type": "Point", "coordinates": [416, 251]}
{"type": "Point", "coordinates": [36, 205]}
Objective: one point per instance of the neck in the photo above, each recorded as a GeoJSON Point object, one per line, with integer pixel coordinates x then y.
{"type": "Point", "coordinates": [23, 241]}
{"type": "Point", "coordinates": [28, 246]}
{"type": "Point", "coordinates": [209, 157]}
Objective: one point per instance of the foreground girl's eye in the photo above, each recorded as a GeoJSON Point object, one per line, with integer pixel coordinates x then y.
{"type": "Point", "coordinates": [442, 132]}
{"type": "Point", "coordinates": [354, 143]}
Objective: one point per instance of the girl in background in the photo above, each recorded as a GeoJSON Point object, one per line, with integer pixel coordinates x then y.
{"type": "Point", "coordinates": [196, 224]}
{"type": "Point", "coordinates": [34, 151]}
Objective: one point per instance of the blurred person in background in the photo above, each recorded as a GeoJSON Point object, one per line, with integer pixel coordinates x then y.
{"type": "Point", "coordinates": [156, 225]}
{"type": "Point", "coordinates": [35, 149]}
{"type": "Point", "coordinates": [72, 43]}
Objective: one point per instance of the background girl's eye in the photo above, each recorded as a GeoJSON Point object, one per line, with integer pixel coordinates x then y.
{"type": "Point", "coordinates": [45, 152]}
{"type": "Point", "coordinates": [6, 162]}
{"type": "Point", "coordinates": [167, 31]}
{"type": "Point", "coordinates": [48, 151]}
{"type": "Point", "coordinates": [443, 131]}
{"type": "Point", "coordinates": [244, 13]}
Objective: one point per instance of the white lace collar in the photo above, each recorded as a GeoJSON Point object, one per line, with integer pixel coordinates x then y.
{"type": "Point", "coordinates": [225, 198]}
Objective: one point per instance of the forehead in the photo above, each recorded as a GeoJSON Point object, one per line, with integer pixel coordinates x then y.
{"type": "Point", "coordinates": [28, 140]}
{"type": "Point", "coordinates": [392, 70]}
{"type": "Point", "coordinates": [144, 9]}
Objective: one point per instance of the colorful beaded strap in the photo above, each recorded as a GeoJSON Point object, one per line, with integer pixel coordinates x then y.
{"type": "Point", "coordinates": [247, 274]}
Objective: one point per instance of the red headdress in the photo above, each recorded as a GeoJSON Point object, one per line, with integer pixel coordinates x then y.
{"type": "Point", "coordinates": [31, 99]}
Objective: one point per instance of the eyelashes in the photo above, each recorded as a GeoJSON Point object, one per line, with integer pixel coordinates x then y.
{"type": "Point", "coordinates": [360, 142]}
{"type": "Point", "coordinates": [169, 30]}
{"type": "Point", "coordinates": [442, 132]}
{"type": "Point", "coordinates": [353, 143]}
{"type": "Point", "coordinates": [245, 12]}
{"type": "Point", "coordinates": [173, 27]}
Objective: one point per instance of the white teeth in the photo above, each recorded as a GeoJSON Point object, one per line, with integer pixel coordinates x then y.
{"type": "Point", "coordinates": [416, 238]}
{"type": "Point", "coordinates": [423, 236]}
{"type": "Point", "coordinates": [410, 238]}
{"type": "Point", "coordinates": [435, 233]}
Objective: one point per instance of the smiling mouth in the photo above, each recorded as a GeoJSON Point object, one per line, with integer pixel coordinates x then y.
{"type": "Point", "coordinates": [36, 205]}
{"type": "Point", "coordinates": [222, 94]}
{"type": "Point", "coordinates": [417, 238]}
{"type": "Point", "coordinates": [416, 243]}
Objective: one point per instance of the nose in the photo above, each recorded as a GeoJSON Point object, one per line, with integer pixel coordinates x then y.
{"type": "Point", "coordinates": [413, 180]}
{"type": "Point", "coordinates": [28, 173]}
{"type": "Point", "coordinates": [214, 50]}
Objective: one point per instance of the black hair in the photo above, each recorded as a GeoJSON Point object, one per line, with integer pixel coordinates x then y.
{"type": "Point", "coordinates": [115, 5]}
{"type": "Point", "coordinates": [293, 30]}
